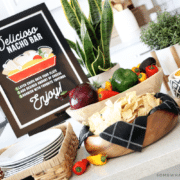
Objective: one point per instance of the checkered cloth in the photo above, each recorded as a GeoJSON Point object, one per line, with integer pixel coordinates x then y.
{"type": "Point", "coordinates": [168, 104]}
{"type": "Point", "coordinates": [131, 135]}
{"type": "Point", "coordinates": [84, 134]}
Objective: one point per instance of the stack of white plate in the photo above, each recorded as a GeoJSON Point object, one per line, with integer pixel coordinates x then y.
{"type": "Point", "coordinates": [32, 151]}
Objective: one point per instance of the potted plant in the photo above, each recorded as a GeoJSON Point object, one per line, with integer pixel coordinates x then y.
{"type": "Point", "coordinates": [94, 34]}
{"type": "Point", "coordinates": [161, 36]}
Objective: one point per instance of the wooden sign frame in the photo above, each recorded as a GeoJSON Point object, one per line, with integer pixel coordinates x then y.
{"type": "Point", "coordinates": [65, 59]}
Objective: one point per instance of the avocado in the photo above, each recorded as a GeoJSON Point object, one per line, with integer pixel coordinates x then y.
{"type": "Point", "coordinates": [147, 62]}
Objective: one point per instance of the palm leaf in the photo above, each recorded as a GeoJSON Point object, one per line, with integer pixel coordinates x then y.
{"type": "Point", "coordinates": [71, 16]}
{"type": "Point", "coordinates": [106, 29]}
{"type": "Point", "coordinates": [95, 12]}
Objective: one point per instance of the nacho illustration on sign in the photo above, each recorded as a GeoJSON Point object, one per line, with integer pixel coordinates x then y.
{"type": "Point", "coordinates": [29, 63]}
{"type": "Point", "coordinates": [36, 66]}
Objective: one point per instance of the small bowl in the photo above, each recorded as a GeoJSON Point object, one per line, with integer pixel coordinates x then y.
{"type": "Point", "coordinates": [176, 76]}
{"type": "Point", "coordinates": [175, 83]}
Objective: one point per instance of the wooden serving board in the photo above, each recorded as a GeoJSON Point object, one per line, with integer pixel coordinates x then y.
{"type": "Point", "coordinates": [159, 124]}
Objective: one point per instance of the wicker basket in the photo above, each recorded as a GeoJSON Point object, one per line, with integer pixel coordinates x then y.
{"type": "Point", "coordinates": [57, 168]}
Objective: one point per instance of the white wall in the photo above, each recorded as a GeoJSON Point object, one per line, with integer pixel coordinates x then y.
{"type": "Point", "coordinates": [3, 11]}
{"type": "Point", "coordinates": [127, 57]}
{"type": "Point", "coordinates": [168, 5]}
{"type": "Point", "coordinates": [60, 18]}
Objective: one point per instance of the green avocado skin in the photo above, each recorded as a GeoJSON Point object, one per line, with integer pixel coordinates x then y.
{"type": "Point", "coordinates": [123, 79]}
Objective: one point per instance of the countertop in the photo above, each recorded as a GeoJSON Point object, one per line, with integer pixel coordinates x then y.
{"type": "Point", "coordinates": [161, 155]}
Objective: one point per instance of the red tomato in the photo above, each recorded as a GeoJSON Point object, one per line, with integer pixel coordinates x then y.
{"type": "Point", "coordinates": [37, 57]}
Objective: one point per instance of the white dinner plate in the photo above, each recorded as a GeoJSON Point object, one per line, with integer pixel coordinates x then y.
{"type": "Point", "coordinates": [45, 153]}
{"type": "Point", "coordinates": [37, 160]}
{"type": "Point", "coordinates": [24, 167]}
{"type": "Point", "coordinates": [29, 147]}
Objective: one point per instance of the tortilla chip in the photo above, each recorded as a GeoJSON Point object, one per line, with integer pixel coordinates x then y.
{"type": "Point", "coordinates": [129, 106]}
{"type": "Point", "coordinates": [124, 109]}
{"type": "Point", "coordinates": [95, 121]}
{"type": "Point", "coordinates": [142, 111]}
{"type": "Point", "coordinates": [140, 102]}
{"type": "Point", "coordinates": [130, 120]}
{"type": "Point", "coordinates": [146, 104]}
{"type": "Point", "coordinates": [109, 103]}
{"type": "Point", "coordinates": [127, 114]}
{"type": "Point", "coordinates": [131, 97]}
{"type": "Point", "coordinates": [100, 128]}
{"type": "Point", "coordinates": [152, 100]}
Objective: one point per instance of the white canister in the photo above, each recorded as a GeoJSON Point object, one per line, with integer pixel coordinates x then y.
{"type": "Point", "coordinates": [126, 25]}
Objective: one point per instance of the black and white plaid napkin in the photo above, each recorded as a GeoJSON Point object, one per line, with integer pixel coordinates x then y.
{"type": "Point", "coordinates": [131, 135]}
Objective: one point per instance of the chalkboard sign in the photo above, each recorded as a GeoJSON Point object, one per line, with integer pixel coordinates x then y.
{"type": "Point", "coordinates": [36, 65]}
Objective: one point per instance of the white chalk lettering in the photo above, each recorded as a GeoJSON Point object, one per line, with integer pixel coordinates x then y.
{"type": "Point", "coordinates": [39, 102]}
{"type": "Point", "coordinates": [15, 38]}
{"type": "Point", "coordinates": [17, 46]}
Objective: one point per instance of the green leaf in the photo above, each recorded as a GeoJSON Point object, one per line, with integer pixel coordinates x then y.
{"type": "Point", "coordinates": [89, 54]}
{"type": "Point", "coordinates": [163, 33]}
{"type": "Point", "coordinates": [77, 9]}
{"type": "Point", "coordinates": [99, 2]}
{"type": "Point", "coordinates": [90, 30]}
{"type": "Point", "coordinates": [80, 52]}
{"type": "Point", "coordinates": [98, 34]}
{"type": "Point", "coordinates": [81, 62]}
{"type": "Point", "coordinates": [106, 30]}
{"type": "Point", "coordinates": [76, 47]}
{"type": "Point", "coordinates": [102, 69]}
{"type": "Point", "coordinates": [71, 16]}
{"type": "Point", "coordinates": [96, 84]}
{"type": "Point", "coordinates": [71, 3]}
{"type": "Point", "coordinates": [71, 44]}
{"type": "Point", "coordinates": [95, 12]}
{"type": "Point", "coordinates": [99, 62]}
{"type": "Point", "coordinates": [64, 92]}
{"type": "Point", "coordinates": [41, 53]}
{"type": "Point", "coordinates": [83, 28]}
